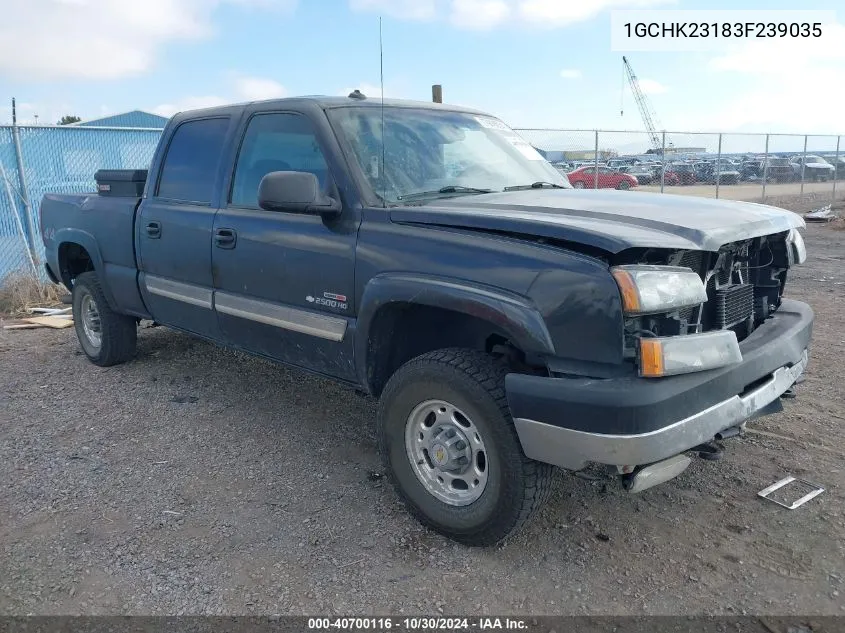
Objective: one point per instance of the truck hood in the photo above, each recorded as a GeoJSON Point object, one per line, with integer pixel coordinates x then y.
{"type": "Point", "coordinates": [609, 220]}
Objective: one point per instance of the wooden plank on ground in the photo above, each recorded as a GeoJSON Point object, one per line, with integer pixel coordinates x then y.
{"type": "Point", "coordinates": [50, 321]}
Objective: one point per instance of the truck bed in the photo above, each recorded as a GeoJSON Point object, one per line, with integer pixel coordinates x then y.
{"type": "Point", "coordinates": [104, 225]}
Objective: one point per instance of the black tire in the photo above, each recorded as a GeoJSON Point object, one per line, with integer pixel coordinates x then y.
{"type": "Point", "coordinates": [475, 383]}
{"type": "Point", "coordinates": [624, 185]}
{"type": "Point", "coordinates": [578, 184]}
{"type": "Point", "coordinates": [118, 332]}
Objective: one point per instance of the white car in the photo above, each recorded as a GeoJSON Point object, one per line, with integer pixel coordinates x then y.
{"type": "Point", "coordinates": [814, 167]}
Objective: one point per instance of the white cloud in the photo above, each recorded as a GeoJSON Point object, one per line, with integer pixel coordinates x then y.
{"type": "Point", "coordinates": [651, 86]}
{"type": "Point", "coordinates": [401, 9]}
{"type": "Point", "coordinates": [488, 14]}
{"type": "Point", "coordinates": [258, 88]}
{"type": "Point", "coordinates": [784, 56]}
{"type": "Point", "coordinates": [556, 13]}
{"type": "Point", "coordinates": [790, 85]}
{"type": "Point", "coordinates": [240, 88]}
{"type": "Point", "coordinates": [190, 103]}
{"type": "Point", "coordinates": [570, 73]}
{"type": "Point", "coordinates": [101, 39]}
{"type": "Point", "coordinates": [479, 14]}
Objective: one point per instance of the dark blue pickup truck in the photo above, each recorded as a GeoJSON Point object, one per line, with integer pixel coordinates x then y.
{"type": "Point", "coordinates": [431, 257]}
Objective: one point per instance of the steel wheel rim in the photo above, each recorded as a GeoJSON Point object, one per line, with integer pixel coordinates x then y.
{"type": "Point", "coordinates": [447, 452]}
{"type": "Point", "coordinates": [91, 321]}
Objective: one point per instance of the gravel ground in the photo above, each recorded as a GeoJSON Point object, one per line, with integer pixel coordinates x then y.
{"type": "Point", "coordinates": [199, 480]}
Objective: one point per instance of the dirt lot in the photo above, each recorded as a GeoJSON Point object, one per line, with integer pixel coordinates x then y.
{"type": "Point", "coordinates": [198, 480]}
{"type": "Point", "coordinates": [752, 192]}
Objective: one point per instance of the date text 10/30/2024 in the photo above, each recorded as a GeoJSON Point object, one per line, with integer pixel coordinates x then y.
{"type": "Point", "coordinates": [415, 624]}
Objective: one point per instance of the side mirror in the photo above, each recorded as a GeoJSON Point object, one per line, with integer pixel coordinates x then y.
{"type": "Point", "coordinates": [294, 191]}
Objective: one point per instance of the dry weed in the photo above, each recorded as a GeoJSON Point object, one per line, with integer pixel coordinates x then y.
{"type": "Point", "coordinates": [21, 291]}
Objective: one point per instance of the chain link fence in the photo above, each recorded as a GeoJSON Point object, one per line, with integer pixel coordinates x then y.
{"type": "Point", "coordinates": [749, 167]}
{"type": "Point", "coordinates": [55, 159]}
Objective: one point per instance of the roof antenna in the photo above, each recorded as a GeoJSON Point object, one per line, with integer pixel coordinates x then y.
{"type": "Point", "coordinates": [381, 79]}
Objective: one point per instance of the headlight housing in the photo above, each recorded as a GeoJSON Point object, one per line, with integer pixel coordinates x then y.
{"type": "Point", "coordinates": [652, 289]}
{"type": "Point", "coordinates": [796, 246]}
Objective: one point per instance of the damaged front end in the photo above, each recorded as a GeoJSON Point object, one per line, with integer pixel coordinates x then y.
{"type": "Point", "coordinates": [743, 284]}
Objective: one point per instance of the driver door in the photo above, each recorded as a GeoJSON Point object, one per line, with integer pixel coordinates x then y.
{"type": "Point", "coordinates": [284, 281]}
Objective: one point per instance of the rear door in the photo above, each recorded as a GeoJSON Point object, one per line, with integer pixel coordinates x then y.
{"type": "Point", "coordinates": [284, 282]}
{"type": "Point", "coordinates": [173, 229]}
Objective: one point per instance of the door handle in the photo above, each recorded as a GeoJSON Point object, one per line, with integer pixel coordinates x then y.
{"type": "Point", "coordinates": [153, 230]}
{"type": "Point", "coordinates": [225, 238]}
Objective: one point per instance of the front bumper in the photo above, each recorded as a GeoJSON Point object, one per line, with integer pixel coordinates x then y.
{"type": "Point", "coordinates": [633, 421]}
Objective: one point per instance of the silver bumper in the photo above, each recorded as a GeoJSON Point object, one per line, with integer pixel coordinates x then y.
{"type": "Point", "coordinates": [572, 449]}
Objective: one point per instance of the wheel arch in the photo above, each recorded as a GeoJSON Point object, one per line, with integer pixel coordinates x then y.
{"type": "Point", "coordinates": [78, 252]}
{"type": "Point", "coordinates": [404, 315]}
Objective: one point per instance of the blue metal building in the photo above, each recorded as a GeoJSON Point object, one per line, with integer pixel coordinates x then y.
{"type": "Point", "coordinates": [135, 118]}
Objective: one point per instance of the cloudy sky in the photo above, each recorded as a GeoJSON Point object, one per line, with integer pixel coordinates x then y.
{"type": "Point", "coordinates": [535, 63]}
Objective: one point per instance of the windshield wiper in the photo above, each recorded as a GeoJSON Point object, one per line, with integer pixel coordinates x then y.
{"type": "Point", "coordinates": [447, 189]}
{"type": "Point", "coordinates": [535, 185]}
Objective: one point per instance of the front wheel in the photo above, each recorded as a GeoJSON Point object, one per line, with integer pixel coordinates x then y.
{"type": "Point", "coordinates": [624, 185]}
{"type": "Point", "coordinates": [448, 440]}
{"type": "Point", "coordinates": [578, 184]}
{"type": "Point", "coordinates": [106, 337]}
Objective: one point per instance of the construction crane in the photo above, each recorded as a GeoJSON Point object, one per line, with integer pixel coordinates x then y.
{"type": "Point", "coordinates": [644, 106]}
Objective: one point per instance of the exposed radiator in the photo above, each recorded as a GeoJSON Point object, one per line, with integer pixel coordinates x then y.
{"type": "Point", "coordinates": [734, 304]}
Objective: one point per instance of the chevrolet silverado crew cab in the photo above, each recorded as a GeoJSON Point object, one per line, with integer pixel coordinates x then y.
{"type": "Point", "coordinates": [430, 256]}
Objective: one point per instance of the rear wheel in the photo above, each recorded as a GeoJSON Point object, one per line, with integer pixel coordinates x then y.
{"type": "Point", "coordinates": [106, 337]}
{"type": "Point", "coordinates": [447, 437]}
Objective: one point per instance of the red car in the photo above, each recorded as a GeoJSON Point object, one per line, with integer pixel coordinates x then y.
{"type": "Point", "coordinates": [585, 178]}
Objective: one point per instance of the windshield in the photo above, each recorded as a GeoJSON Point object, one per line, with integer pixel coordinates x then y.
{"type": "Point", "coordinates": [816, 159]}
{"type": "Point", "coordinates": [429, 150]}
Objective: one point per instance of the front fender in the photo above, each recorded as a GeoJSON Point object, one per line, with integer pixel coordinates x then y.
{"type": "Point", "coordinates": [512, 313]}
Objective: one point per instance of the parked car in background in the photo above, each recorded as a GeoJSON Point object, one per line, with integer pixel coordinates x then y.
{"type": "Point", "coordinates": [838, 163]}
{"type": "Point", "coordinates": [812, 167]}
{"type": "Point", "coordinates": [725, 172]}
{"type": "Point", "coordinates": [685, 173]}
{"type": "Point", "coordinates": [563, 166]}
{"type": "Point", "coordinates": [643, 175]}
{"type": "Point", "coordinates": [777, 169]}
{"type": "Point", "coordinates": [670, 178]}
{"type": "Point", "coordinates": [585, 178]}
{"type": "Point", "coordinates": [751, 169]}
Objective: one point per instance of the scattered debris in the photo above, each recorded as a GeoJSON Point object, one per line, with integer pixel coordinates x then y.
{"type": "Point", "coordinates": [602, 537]}
{"type": "Point", "coordinates": [50, 311]}
{"type": "Point", "coordinates": [172, 512]}
{"type": "Point", "coordinates": [825, 214]}
{"type": "Point", "coordinates": [58, 321]}
{"type": "Point", "coordinates": [815, 492]}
